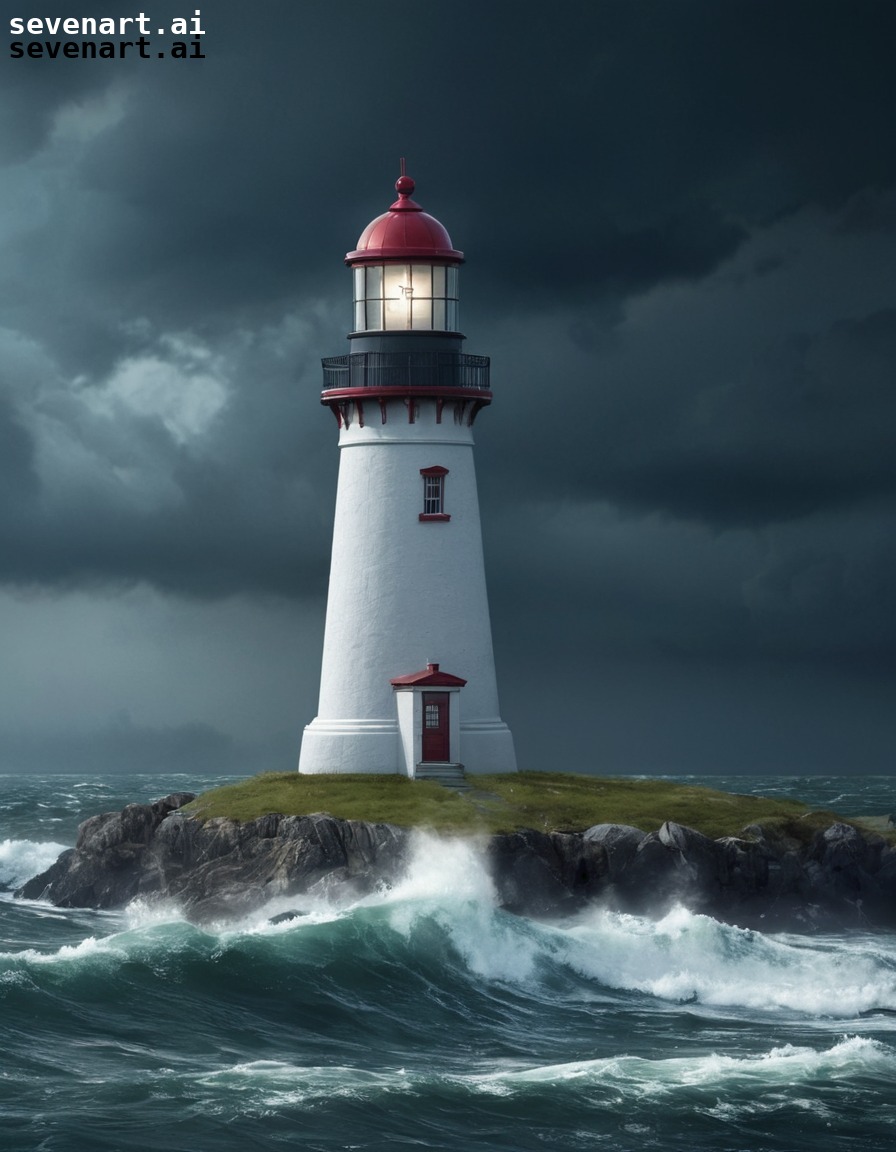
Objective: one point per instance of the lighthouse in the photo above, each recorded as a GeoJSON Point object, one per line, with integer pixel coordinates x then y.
{"type": "Point", "coordinates": [408, 673]}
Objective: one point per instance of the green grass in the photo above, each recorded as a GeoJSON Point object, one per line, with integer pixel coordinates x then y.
{"type": "Point", "coordinates": [548, 801]}
{"type": "Point", "coordinates": [379, 799]}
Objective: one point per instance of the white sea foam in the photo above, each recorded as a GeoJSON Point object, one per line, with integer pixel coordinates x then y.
{"type": "Point", "coordinates": [272, 1083]}
{"type": "Point", "coordinates": [22, 859]}
{"type": "Point", "coordinates": [686, 956]}
{"type": "Point", "coordinates": [92, 946]}
{"type": "Point", "coordinates": [443, 869]}
{"type": "Point", "coordinates": [146, 915]}
{"type": "Point", "coordinates": [447, 882]}
{"type": "Point", "coordinates": [279, 917]}
{"type": "Point", "coordinates": [638, 1076]}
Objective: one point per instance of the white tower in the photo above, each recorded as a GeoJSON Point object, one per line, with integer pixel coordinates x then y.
{"type": "Point", "coordinates": [408, 675]}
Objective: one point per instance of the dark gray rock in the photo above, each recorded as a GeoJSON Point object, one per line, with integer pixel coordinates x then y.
{"type": "Point", "coordinates": [541, 873]}
{"type": "Point", "coordinates": [845, 873]}
{"type": "Point", "coordinates": [219, 868]}
{"type": "Point", "coordinates": [670, 866]}
{"type": "Point", "coordinates": [300, 855]}
{"type": "Point", "coordinates": [106, 867]}
{"type": "Point", "coordinates": [619, 841]}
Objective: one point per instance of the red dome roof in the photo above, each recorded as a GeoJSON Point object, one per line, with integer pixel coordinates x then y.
{"type": "Point", "coordinates": [404, 233]}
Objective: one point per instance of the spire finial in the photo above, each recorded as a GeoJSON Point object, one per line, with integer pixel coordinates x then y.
{"type": "Point", "coordinates": [404, 185]}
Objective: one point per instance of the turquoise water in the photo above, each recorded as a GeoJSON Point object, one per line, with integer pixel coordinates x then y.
{"type": "Point", "coordinates": [427, 1018]}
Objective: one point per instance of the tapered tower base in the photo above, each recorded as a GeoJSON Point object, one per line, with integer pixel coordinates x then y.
{"type": "Point", "coordinates": [374, 746]}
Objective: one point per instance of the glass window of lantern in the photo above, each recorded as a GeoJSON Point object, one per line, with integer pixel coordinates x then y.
{"type": "Point", "coordinates": [421, 279]}
{"type": "Point", "coordinates": [396, 297]}
{"type": "Point", "coordinates": [452, 321]}
{"type": "Point", "coordinates": [374, 316]}
{"type": "Point", "coordinates": [396, 279]}
{"type": "Point", "coordinates": [374, 281]}
{"type": "Point", "coordinates": [421, 314]}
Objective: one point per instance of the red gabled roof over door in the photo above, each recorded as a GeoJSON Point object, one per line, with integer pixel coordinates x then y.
{"type": "Point", "coordinates": [430, 677]}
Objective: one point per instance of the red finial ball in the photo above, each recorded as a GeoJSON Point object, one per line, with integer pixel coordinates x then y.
{"type": "Point", "coordinates": [404, 186]}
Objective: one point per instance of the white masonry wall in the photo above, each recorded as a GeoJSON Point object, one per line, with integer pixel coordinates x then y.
{"type": "Point", "coordinates": [404, 593]}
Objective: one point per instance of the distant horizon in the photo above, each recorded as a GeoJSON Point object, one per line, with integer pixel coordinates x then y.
{"type": "Point", "coordinates": [560, 771]}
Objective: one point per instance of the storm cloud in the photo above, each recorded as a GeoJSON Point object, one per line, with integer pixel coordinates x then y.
{"type": "Point", "coordinates": [680, 229]}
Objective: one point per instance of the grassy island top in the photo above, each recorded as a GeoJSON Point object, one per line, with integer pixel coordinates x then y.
{"type": "Point", "coordinates": [548, 801]}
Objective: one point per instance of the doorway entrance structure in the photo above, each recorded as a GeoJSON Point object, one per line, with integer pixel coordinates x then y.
{"type": "Point", "coordinates": [428, 706]}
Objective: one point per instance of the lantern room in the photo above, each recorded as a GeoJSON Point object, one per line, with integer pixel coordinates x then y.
{"type": "Point", "coordinates": [405, 271]}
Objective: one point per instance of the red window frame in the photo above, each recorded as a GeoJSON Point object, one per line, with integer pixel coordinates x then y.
{"type": "Point", "coordinates": [434, 493]}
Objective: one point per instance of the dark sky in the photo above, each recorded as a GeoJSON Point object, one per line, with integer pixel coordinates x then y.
{"type": "Point", "coordinates": [679, 219]}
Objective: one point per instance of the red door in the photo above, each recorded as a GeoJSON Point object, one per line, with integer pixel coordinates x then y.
{"type": "Point", "coordinates": [435, 727]}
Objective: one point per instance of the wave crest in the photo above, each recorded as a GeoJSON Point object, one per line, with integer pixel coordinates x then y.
{"type": "Point", "coordinates": [22, 859]}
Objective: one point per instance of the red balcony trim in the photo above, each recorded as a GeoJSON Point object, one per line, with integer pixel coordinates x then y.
{"type": "Point", "coordinates": [481, 395]}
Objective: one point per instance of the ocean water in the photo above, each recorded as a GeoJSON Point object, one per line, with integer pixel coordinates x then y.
{"type": "Point", "coordinates": [425, 1017]}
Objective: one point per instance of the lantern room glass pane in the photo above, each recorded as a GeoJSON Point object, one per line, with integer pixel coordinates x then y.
{"type": "Point", "coordinates": [438, 280]}
{"type": "Point", "coordinates": [374, 282]}
{"type": "Point", "coordinates": [396, 277]}
{"type": "Point", "coordinates": [438, 316]}
{"type": "Point", "coordinates": [395, 316]}
{"type": "Point", "coordinates": [374, 315]}
{"type": "Point", "coordinates": [421, 316]}
{"type": "Point", "coordinates": [421, 279]}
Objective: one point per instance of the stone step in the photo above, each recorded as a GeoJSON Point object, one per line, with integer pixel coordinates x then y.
{"type": "Point", "coordinates": [448, 775]}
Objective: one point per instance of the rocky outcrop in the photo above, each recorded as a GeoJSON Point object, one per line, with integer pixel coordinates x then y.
{"type": "Point", "coordinates": [217, 869]}
{"type": "Point", "coordinates": [104, 869]}
{"type": "Point", "coordinates": [763, 879]}
{"type": "Point", "coordinates": [220, 869]}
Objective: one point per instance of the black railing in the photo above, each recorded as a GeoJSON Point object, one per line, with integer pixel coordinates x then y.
{"type": "Point", "coordinates": [415, 370]}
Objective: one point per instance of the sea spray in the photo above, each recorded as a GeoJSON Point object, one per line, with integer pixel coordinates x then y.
{"type": "Point", "coordinates": [22, 859]}
{"type": "Point", "coordinates": [447, 883]}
